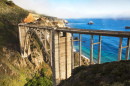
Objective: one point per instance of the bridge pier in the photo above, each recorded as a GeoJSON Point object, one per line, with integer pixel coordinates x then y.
{"type": "Point", "coordinates": [61, 53]}
{"type": "Point", "coordinates": [24, 41]}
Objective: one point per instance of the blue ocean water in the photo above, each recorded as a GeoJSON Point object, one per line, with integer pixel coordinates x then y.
{"type": "Point", "coordinates": [109, 45]}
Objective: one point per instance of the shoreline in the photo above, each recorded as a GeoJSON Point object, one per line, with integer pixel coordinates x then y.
{"type": "Point", "coordinates": [74, 50]}
{"type": "Point", "coordinates": [84, 60]}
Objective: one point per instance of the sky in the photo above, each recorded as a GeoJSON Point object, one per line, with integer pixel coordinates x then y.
{"type": "Point", "coordinates": [78, 8]}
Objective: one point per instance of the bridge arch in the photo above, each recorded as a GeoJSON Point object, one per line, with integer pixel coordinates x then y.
{"type": "Point", "coordinates": [25, 34]}
{"type": "Point", "coordinates": [27, 50]}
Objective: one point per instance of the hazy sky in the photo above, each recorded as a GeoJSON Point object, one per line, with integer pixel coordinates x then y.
{"type": "Point", "coordinates": [78, 8]}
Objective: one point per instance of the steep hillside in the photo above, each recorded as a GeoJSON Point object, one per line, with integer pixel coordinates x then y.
{"type": "Point", "coordinates": [15, 70]}
{"type": "Point", "coordinates": [107, 74]}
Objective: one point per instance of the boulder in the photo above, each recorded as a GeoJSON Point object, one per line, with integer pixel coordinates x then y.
{"type": "Point", "coordinates": [76, 38]}
{"type": "Point", "coordinates": [127, 27]}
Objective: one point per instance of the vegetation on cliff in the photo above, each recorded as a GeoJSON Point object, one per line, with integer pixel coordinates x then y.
{"type": "Point", "coordinates": [15, 70]}
{"type": "Point", "coordinates": [107, 74]}
{"type": "Point", "coordinates": [40, 80]}
{"type": "Point", "coordinates": [10, 16]}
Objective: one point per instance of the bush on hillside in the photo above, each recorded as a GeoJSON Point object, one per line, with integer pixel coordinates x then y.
{"type": "Point", "coordinates": [10, 3]}
{"type": "Point", "coordinates": [42, 80]}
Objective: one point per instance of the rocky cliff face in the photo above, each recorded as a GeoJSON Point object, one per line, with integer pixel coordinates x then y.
{"type": "Point", "coordinates": [37, 19]}
{"type": "Point", "coordinates": [15, 69]}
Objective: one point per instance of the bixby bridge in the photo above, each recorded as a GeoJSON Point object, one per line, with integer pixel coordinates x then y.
{"type": "Point", "coordinates": [61, 56]}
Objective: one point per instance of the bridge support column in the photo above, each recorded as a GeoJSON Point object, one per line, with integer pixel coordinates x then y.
{"type": "Point", "coordinates": [68, 54]}
{"type": "Point", "coordinates": [22, 35]}
{"type": "Point", "coordinates": [20, 41]}
{"type": "Point", "coordinates": [99, 50]}
{"type": "Point", "coordinates": [120, 49]}
{"type": "Point", "coordinates": [50, 47]}
{"type": "Point", "coordinates": [91, 50]}
{"type": "Point", "coordinates": [72, 54]}
{"type": "Point", "coordinates": [45, 37]}
{"type": "Point", "coordinates": [79, 49]}
{"type": "Point", "coordinates": [24, 41]}
{"type": "Point", "coordinates": [127, 49]}
{"type": "Point", "coordinates": [29, 50]}
{"type": "Point", "coordinates": [61, 56]}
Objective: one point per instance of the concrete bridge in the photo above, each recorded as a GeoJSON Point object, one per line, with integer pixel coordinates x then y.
{"type": "Point", "coordinates": [60, 40]}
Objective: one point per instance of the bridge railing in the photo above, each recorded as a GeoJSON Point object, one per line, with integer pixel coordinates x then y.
{"type": "Point", "coordinates": [120, 34]}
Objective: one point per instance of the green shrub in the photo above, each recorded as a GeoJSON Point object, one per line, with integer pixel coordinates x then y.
{"type": "Point", "coordinates": [4, 83]}
{"type": "Point", "coordinates": [43, 70]}
{"type": "Point", "coordinates": [36, 74]}
{"type": "Point", "coordinates": [27, 79]}
{"type": "Point", "coordinates": [10, 3]}
{"type": "Point", "coordinates": [41, 80]}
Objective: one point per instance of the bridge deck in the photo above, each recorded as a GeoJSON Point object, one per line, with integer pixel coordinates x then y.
{"type": "Point", "coordinates": [83, 31]}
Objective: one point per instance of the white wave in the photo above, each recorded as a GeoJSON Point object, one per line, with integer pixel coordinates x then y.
{"type": "Point", "coordinates": [74, 50]}
{"type": "Point", "coordinates": [85, 57]}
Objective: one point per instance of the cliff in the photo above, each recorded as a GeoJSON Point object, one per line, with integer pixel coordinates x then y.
{"type": "Point", "coordinates": [15, 70]}
{"type": "Point", "coordinates": [37, 19]}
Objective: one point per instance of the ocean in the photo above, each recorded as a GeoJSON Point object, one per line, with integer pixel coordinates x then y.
{"type": "Point", "coordinates": [109, 45]}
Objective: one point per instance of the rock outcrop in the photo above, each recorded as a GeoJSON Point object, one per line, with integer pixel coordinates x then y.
{"type": "Point", "coordinates": [29, 18]}
{"type": "Point", "coordinates": [37, 19]}
{"type": "Point", "coordinates": [84, 61]}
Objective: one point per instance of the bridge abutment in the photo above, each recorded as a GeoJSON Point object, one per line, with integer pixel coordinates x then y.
{"type": "Point", "coordinates": [24, 41]}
